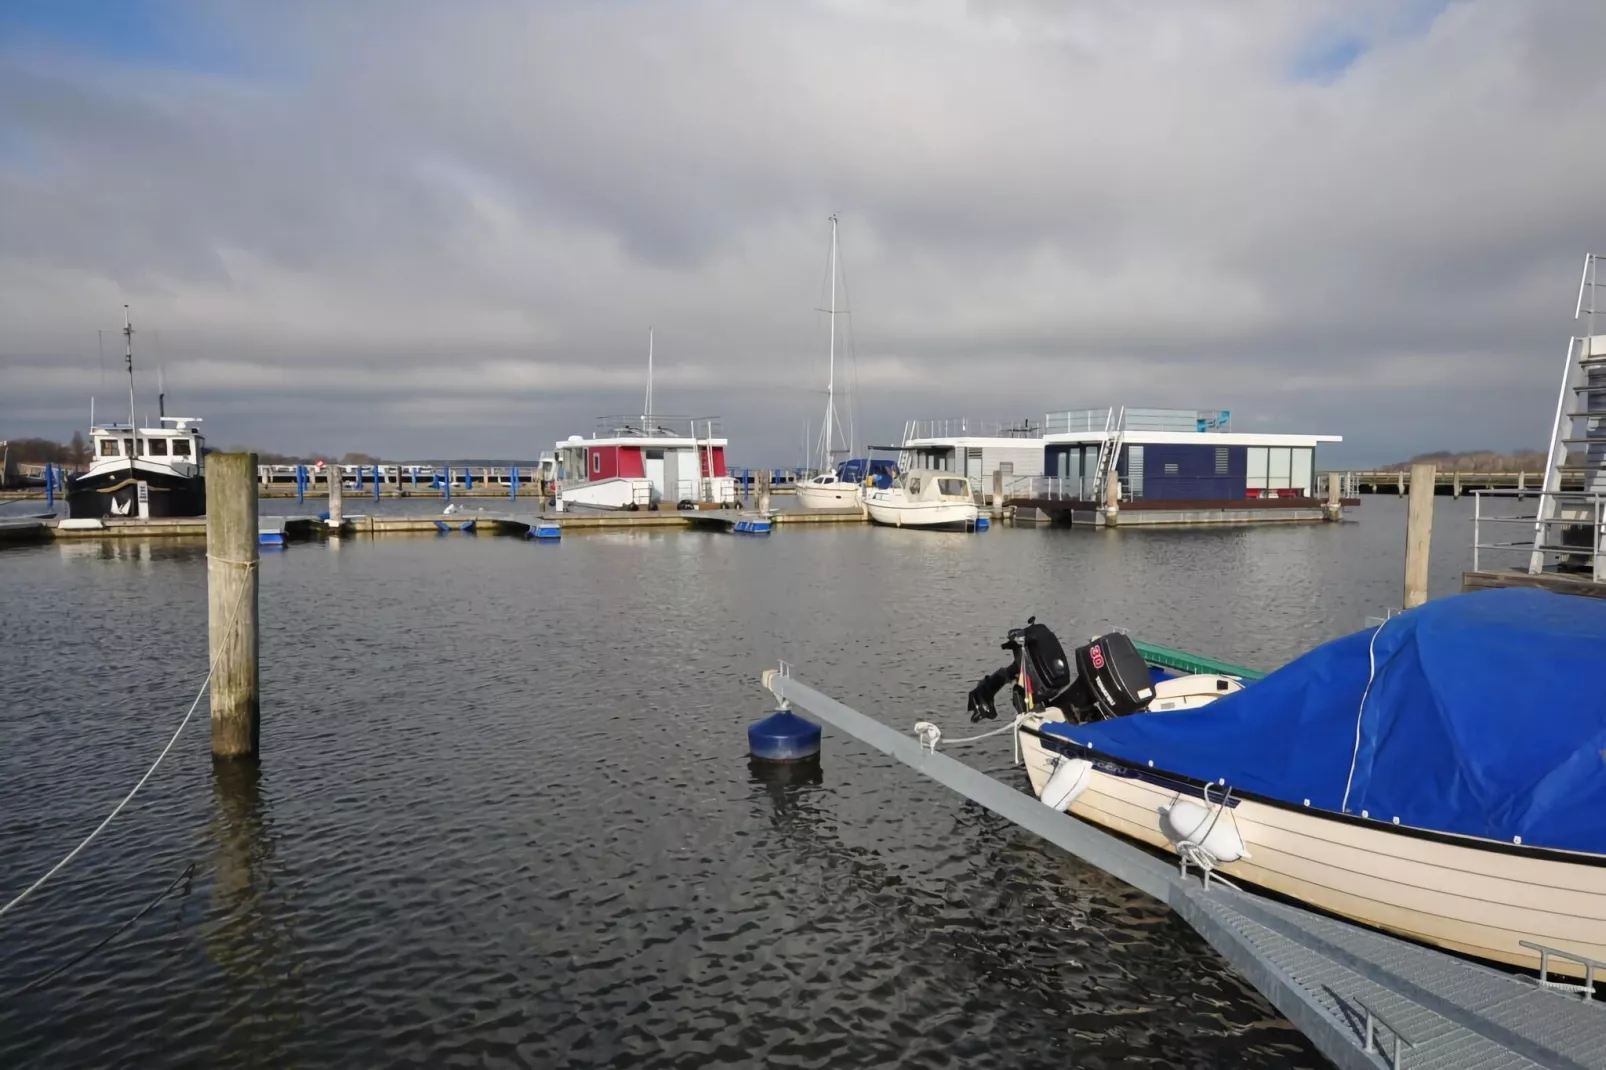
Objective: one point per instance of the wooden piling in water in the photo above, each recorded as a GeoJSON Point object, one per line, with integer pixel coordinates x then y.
{"type": "Point", "coordinates": [764, 491]}
{"type": "Point", "coordinates": [1335, 500]}
{"type": "Point", "coordinates": [336, 492]}
{"type": "Point", "coordinates": [998, 492]}
{"type": "Point", "coordinates": [1418, 535]}
{"type": "Point", "coordinates": [231, 587]}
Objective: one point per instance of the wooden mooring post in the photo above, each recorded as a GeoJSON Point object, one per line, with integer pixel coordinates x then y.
{"type": "Point", "coordinates": [336, 491]}
{"type": "Point", "coordinates": [1334, 510]}
{"type": "Point", "coordinates": [998, 492]}
{"type": "Point", "coordinates": [231, 590]}
{"type": "Point", "coordinates": [1418, 535]}
{"type": "Point", "coordinates": [764, 491]}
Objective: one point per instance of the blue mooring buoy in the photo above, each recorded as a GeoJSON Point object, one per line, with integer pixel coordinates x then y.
{"type": "Point", "coordinates": [783, 736]}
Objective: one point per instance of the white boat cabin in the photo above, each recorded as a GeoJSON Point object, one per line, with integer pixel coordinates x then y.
{"type": "Point", "coordinates": [177, 444]}
{"type": "Point", "coordinates": [934, 485]}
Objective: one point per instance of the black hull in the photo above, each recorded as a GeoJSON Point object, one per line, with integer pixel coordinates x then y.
{"type": "Point", "coordinates": [114, 495]}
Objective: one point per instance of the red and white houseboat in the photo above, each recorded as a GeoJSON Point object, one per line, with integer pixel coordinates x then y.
{"type": "Point", "coordinates": [651, 462]}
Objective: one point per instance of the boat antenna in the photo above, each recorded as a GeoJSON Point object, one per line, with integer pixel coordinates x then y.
{"type": "Point", "coordinates": [161, 397]}
{"type": "Point", "coordinates": [647, 406]}
{"type": "Point", "coordinates": [128, 352]}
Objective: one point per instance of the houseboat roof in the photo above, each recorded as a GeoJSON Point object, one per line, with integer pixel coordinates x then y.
{"type": "Point", "coordinates": [656, 442]}
{"type": "Point", "coordinates": [975, 441]}
{"type": "Point", "coordinates": [651, 430]}
{"type": "Point", "coordinates": [1196, 438]}
{"type": "Point", "coordinates": [1163, 426]}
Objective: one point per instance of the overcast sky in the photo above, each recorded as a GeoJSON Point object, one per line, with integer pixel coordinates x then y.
{"type": "Point", "coordinates": [443, 229]}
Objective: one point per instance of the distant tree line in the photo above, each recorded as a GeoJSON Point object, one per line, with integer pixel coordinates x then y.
{"type": "Point", "coordinates": [1475, 461]}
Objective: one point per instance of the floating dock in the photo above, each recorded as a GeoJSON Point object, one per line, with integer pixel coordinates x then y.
{"type": "Point", "coordinates": [278, 530]}
{"type": "Point", "coordinates": [1366, 1000]}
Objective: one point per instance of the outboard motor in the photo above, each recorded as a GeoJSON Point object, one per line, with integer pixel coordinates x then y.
{"type": "Point", "coordinates": [1111, 679]}
{"type": "Point", "coordinates": [1041, 673]}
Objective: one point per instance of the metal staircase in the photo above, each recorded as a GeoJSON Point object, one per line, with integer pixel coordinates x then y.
{"type": "Point", "coordinates": [1109, 452]}
{"type": "Point", "coordinates": [1569, 524]}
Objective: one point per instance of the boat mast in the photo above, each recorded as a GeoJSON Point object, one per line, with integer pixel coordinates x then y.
{"type": "Point", "coordinates": [647, 405]}
{"type": "Point", "coordinates": [828, 432]}
{"type": "Point", "coordinates": [128, 352]}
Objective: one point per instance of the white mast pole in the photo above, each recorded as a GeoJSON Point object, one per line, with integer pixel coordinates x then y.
{"type": "Point", "coordinates": [128, 353]}
{"type": "Point", "coordinates": [830, 380]}
{"type": "Point", "coordinates": [648, 413]}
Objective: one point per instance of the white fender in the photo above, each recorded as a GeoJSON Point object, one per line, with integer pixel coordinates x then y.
{"type": "Point", "coordinates": [1186, 821]}
{"type": "Point", "coordinates": [1069, 779]}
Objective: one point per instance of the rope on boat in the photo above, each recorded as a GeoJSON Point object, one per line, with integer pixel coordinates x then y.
{"type": "Point", "coordinates": [189, 871]}
{"type": "Point", "coordinates": [211, 668]}
{"type": "Point", "coordinates": [929, 734]}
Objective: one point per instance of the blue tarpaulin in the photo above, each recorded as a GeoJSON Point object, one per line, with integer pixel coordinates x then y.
{"type": "Point", "coordinates": [1485, 716]}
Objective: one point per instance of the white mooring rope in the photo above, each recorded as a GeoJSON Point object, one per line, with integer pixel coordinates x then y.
{"type": "Point", "coordinates": [929, 734]}
{"type": "Point", "coordinates": [212, 667]}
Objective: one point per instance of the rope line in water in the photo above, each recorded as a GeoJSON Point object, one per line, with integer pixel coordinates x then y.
{"type": "Point", "coordinates": [189, 871]}
{"type": "Point", "coordinates": [211, 668]}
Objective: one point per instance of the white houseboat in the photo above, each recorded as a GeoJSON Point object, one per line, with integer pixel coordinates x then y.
{"type": "Point", "coordinates": [652, 462]}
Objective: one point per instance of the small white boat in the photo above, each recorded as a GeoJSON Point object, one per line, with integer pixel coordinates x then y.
{"type": "Point", "coordinates": [925, 498]}
{"type": "Point", "coordinates": [1354, 790]}
{"type": "Point", "coordinates": [828, 490]}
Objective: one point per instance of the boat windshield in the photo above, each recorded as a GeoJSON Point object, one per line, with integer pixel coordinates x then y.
{"type": "Point", "coordinates": [954, 487]}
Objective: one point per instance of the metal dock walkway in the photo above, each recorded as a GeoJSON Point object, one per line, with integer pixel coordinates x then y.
{"type": "Point", "coordinates": [1337, 982]}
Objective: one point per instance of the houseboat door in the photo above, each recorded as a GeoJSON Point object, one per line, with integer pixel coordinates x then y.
{"type": "Point", "coordinates": [973, 470]}
{"type": "Point", "coordinates": [653, 469]}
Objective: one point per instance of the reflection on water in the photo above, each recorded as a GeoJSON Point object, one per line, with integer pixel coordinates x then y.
{"type": "Point", "coordinates": [505, 813]}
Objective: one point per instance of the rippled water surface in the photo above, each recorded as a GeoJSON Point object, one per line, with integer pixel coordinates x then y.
{"type": "Point", "coordinates": [504, 815]}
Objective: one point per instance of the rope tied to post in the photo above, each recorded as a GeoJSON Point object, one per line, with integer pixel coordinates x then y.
{"type": "Point", "coordinates": [930, 735]}
{"type": "Point", "coordinates": [234, 615]}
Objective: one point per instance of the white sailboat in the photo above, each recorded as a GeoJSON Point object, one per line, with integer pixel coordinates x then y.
{"type": "Point", "coordinates": [826, 491]}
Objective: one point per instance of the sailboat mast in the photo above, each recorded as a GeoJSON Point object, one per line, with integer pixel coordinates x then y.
{"type": "Point", "coordinates": [830, 379]}
{"type": "Point", "coordinates": [647, 405]}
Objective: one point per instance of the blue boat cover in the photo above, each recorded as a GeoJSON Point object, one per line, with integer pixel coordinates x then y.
{"type": "Point", "coordinates": [1485, 716]}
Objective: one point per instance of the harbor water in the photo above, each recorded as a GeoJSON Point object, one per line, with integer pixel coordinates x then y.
{"type": "Point", "coordinates": [504, 814]}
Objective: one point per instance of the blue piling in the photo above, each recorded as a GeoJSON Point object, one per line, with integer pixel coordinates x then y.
{"type": "Point", "coordinates": [415, 477]}
{"type": "Point", "coordinates": [359, 477]}
{"type": "Point", "coordinates": [376, 482]}
{"type": "Point", "coordinates": [513, 483]}
{"type": "Point", "coordinates": [446, 482]}
{"type": "Point", "coordinates": [50, 485]}
{"type": "Point", "coordinates": [468, 478]}
{"type": "Point", "coordinates": [301, 483]}
{"type": "Point", "coordinates": [783, 736]}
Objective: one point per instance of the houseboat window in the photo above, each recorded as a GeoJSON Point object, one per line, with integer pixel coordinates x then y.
{"type": "Point", "coordinates": [596, 463]}
{"type": "Point", "coordinates": [181, 447]}
{"type": "Point", "coordinates": [953, 488]}
{"type": "Point", "coordinates": [157, 447]}
{"type": "Point", "coordinates": [108, 447]}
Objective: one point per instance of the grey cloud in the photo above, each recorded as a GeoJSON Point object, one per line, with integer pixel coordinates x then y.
{"type": "Point", "coordinates": [398, 216]}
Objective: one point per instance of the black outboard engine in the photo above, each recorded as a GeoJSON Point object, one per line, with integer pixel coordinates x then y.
{"type": "Point", "coordinates": [1041, 672]}
{"type": "Point", "coordinates": [1112, 679]}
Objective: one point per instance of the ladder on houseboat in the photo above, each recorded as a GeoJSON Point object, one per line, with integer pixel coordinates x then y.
{"type": "Point", "coordinates": [1109, 452]}
{"type": "Point", "coordinates": [1569, 523]}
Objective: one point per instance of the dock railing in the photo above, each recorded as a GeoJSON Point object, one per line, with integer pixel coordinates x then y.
{"type": "Point", "coordinates": [1572, 538]}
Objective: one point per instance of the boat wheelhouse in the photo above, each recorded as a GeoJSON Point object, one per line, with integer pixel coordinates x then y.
{"type": "Point", "coordinates": [634, 462]}
{"type": "Point", "coordinates": [142, 471]}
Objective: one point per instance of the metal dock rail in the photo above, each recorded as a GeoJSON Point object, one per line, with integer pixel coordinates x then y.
{"type": "Point", "coordinates": [1365, 999]}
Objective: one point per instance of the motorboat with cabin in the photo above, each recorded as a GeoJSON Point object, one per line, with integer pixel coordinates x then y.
{"type": "Point", "coordinates": [142, 472]}
{"type": "Point", "coordinates": [924, 498]}
{"type": "Point", "coordinates": [1437, 776]}
{"type": "Point", "coordinates": [139, 471]}
{"type": "Point", "coordinates": [652, 462]}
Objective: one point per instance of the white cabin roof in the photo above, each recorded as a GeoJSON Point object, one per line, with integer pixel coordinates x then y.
{"type": "Point", "coordinates": [1191, 438]}
{"type": "Point", "coordinates": [654, 442]}
{"type": "Point", "coordinates": [974, 442]}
